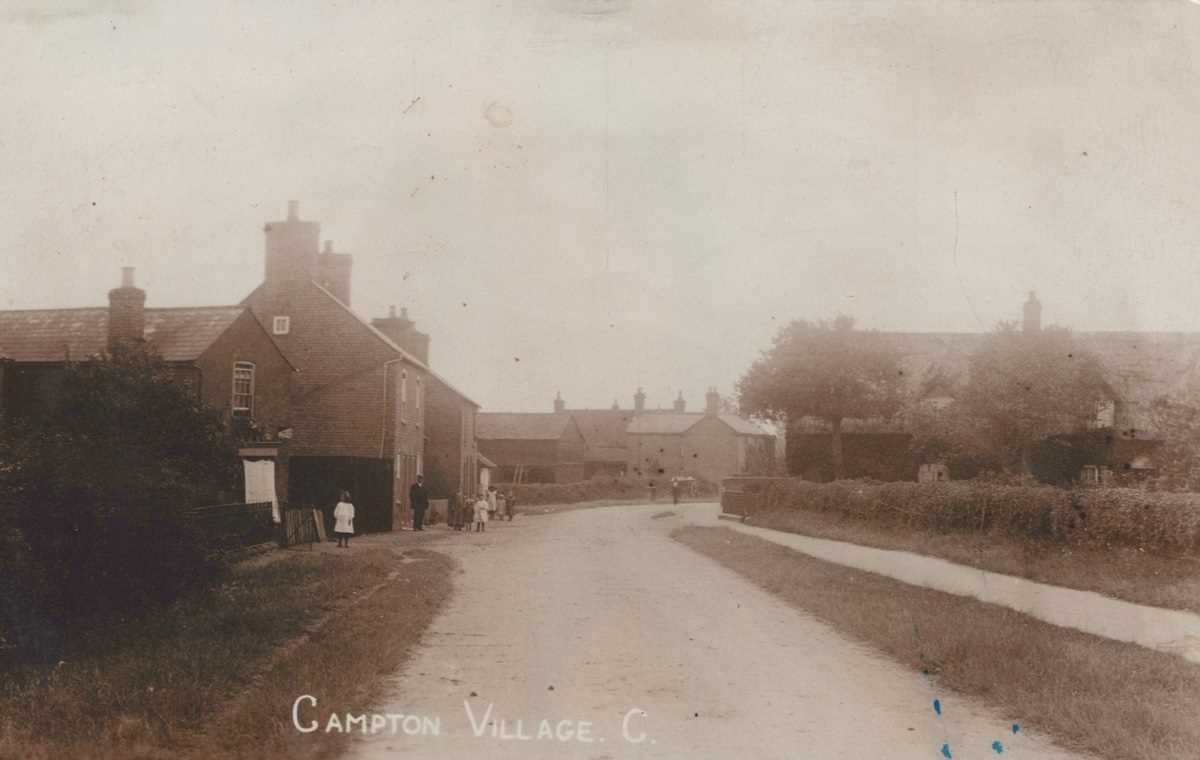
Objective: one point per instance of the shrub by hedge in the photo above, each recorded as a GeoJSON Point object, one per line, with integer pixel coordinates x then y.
{"type": "Point", "coordinates": [1161, 521]}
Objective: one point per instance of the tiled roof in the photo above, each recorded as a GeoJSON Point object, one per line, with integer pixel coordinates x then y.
{"type": "Point", "coordinates": [676, 423]}
{"type": "Point", "coordinates": [603, 428]}
{"type": "Point", "coordinates": [47, 335]}
{"type": "Point", "coordinates": [743, 426]}
{"type": "Point", "coordinates": [386, 340]}
{"type": "Point", "coordinates": [670, 423]}
{"type": "Point", "coordinates": [520, 426]}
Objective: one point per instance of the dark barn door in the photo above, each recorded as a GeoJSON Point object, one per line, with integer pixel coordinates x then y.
{"type": "Point", "coordinates": [317, 481]}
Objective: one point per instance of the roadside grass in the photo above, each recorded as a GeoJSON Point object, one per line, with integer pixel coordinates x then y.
{"type": "Point", "coordinates": [1122, 572]}
{"type": "Point", "coordinates": [215, 674]}
{"type": "Point", "coordinates": [1118, 701]}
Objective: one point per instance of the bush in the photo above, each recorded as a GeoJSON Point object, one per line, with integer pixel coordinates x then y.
{"type": "Point", "coordinates": [93, 496]}
{"type": "Point", "coordinates": [1167, 522]}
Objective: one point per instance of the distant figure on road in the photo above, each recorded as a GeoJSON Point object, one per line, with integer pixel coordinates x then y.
{"type": "Point", "coordinates": [675, 486]}
{"type": "Point", "coordinates": [481, 514]}
{"type": "Point", "coordinates": [511, 504]}
{"type": "Point", "coordinates": [418, 496]}
{"type": "Point", "coordinates": [343, 515]}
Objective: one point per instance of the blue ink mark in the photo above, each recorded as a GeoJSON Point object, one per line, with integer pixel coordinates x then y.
{"type": "Point", "coordinates": [1016, 728]}
{"type": "Point", "coordinates": [946, 750]}
{"type": "Point", "coordinates": [937, 706]}
{"type": "Point", "coordinates": [998, 748]}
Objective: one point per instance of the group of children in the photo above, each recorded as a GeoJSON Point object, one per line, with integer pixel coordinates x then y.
{"type": "Point", "coordinates": [473, 514]}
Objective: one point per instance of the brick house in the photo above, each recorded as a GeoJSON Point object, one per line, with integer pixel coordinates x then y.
{"type": "Point", "coordinates": [708, 445]}
{"type": "Point", "coordinates": [532, 447]}
{"type": "Point", "coordinates": [360, 401]}
{"type": "Point", "coordinates": [628, 441]}
{"type": "Point", "coordinates": [221, 353]}
{"type": "Point", "coordinates": [451, 454]}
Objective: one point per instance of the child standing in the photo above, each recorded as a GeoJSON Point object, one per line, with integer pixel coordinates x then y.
{"type": "Point", "coordinates": [343, 515]}
{"type": "Point", "coordinates": [481, 513]}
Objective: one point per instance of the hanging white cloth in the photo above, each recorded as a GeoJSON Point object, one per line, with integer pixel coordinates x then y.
{"type": "Point", "coordinates": [260, 484]}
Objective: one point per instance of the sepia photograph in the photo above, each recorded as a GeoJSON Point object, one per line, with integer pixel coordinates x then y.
{"type": "Point", "coordinates": [797, 379]}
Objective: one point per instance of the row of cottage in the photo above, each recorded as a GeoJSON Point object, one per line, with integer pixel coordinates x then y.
{"type": "Point", "coordinates": [323, 399]}
{"type": "Point", "coordinates": [568, 445]}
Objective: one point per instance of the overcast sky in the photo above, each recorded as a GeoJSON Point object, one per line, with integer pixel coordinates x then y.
{"type": "Point", "coordinates": [591, 195]}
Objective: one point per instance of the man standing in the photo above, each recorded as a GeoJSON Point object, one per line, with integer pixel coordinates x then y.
{"type": "Point", "coordinates": [418, 497]}
{"type": "Point", "coordinates": [675, 485]}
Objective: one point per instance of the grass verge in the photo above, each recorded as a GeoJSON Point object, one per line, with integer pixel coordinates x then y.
{"type": "Point", "coordinates": [1122, 572]}
{"type": "Point", "coordinates": [1116, 700]}
{"type": "Point", "coordinates": [215, 673]}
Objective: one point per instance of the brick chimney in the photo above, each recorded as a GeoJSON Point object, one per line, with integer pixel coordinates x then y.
{"type": "Point", "coordinates": [680, 404]}
{"type": "Point", "coordinates": [712, 402]}
{"type": "Point", "coordinates": [126, 312]}
{"type": "Point", "coordinates": [559, 404]}
{"type": "Point", "coordinates": [333, 272]}
{"type": "Point", "coordinates": [1032, 321]}
{"type": "Point", "coordinates": [639, 401]}
{"type": "Point", "coordinates": [291, 251]}
{"type": "Point", "coordinates": [404, 333]}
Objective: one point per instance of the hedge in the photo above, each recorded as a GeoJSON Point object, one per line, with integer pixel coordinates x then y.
{"type": "Point", "coordinates": [598, 488]}
{"type": "Point", "coordinates": [1125, 516]}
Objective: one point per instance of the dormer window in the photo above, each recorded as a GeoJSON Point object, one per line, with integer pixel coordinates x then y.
{"type": "Point", "coordinates": [281, 325]}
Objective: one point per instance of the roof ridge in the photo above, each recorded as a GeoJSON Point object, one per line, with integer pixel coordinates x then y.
{"type": "Point", "coordinates": [389, 342]}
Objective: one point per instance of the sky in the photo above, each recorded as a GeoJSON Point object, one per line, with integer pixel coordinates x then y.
{"type": "Point", "coordinates": [588, 196]}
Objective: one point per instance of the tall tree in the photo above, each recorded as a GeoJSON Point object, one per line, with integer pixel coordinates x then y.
{"type": "Point", "coordinates": [1025, 387]}
{"type": "Point", "coordinates": [1176, 419]}
{"type": "Point", "coordinates": [827, 370]}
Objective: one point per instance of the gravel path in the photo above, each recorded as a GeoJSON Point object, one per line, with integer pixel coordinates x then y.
{"type": "Point", "coordinates": [596, 624]}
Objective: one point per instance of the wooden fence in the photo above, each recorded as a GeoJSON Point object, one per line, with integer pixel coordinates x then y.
{"type": "Point", "coordinates": [233, 528]}
{"type": "Point", "coordinates": [745, 496]}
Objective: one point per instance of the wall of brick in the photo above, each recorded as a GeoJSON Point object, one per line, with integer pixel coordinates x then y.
{"type": "Point", "coordinates": [449, 443]}
{"type": "Point", "coordinates": [708, 450]}
{"type": "Point", "coordinates": [245, 340]}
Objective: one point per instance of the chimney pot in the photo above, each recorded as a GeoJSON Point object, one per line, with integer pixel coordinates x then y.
{"type": "Point", "coordinates": [391, 312]}
{"type": "Point", "coordinates": [127, 277]}
{"type": "Point", "coordinates": [328, 246]}
{"type": "Point", "coordinates": [404, 312]}
{"type": "Point", "coordinates": [293, 210]}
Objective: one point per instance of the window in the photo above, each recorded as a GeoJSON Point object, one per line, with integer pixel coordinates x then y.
{"type": "Point", "coordinates": [281, 325]}
{"type": "Point", "coordinates": [403, 395]}
{"type": "Point", "coordinates": [243, 389]}
{"type": "Point", "coordinates": [417, 400]}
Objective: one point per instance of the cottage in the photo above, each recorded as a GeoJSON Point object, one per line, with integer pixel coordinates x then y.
{"type": "Point", "coordinates": [361, 402]}
{"type": "Point", "coordinates": [532, 447]}
{"type": "Point", "coordinates": [709, 445]}
{"type": "Point", "coordinates": [221, 353]}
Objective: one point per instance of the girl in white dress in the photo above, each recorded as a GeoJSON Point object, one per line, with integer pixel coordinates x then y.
{"type": "Point", "coordinates": [343, 515]}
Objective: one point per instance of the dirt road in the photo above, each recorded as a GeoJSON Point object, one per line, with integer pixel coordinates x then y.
{"type": "Point", "coordinates": [596, 631]}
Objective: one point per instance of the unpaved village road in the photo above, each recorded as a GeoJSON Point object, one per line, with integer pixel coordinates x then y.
{"type": "Point", "coordinates": [598, 616]}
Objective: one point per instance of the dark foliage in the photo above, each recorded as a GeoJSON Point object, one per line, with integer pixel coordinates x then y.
{"type": "Point", "coordinates": [827, 370]}
{"type": "Point", "coordinates": [93, 497]}
{"type": "Point", "coordinates": [1024, 407]}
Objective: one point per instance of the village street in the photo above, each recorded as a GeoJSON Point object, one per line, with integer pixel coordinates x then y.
{"type": "Point", "coordinates": [629, 644]}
